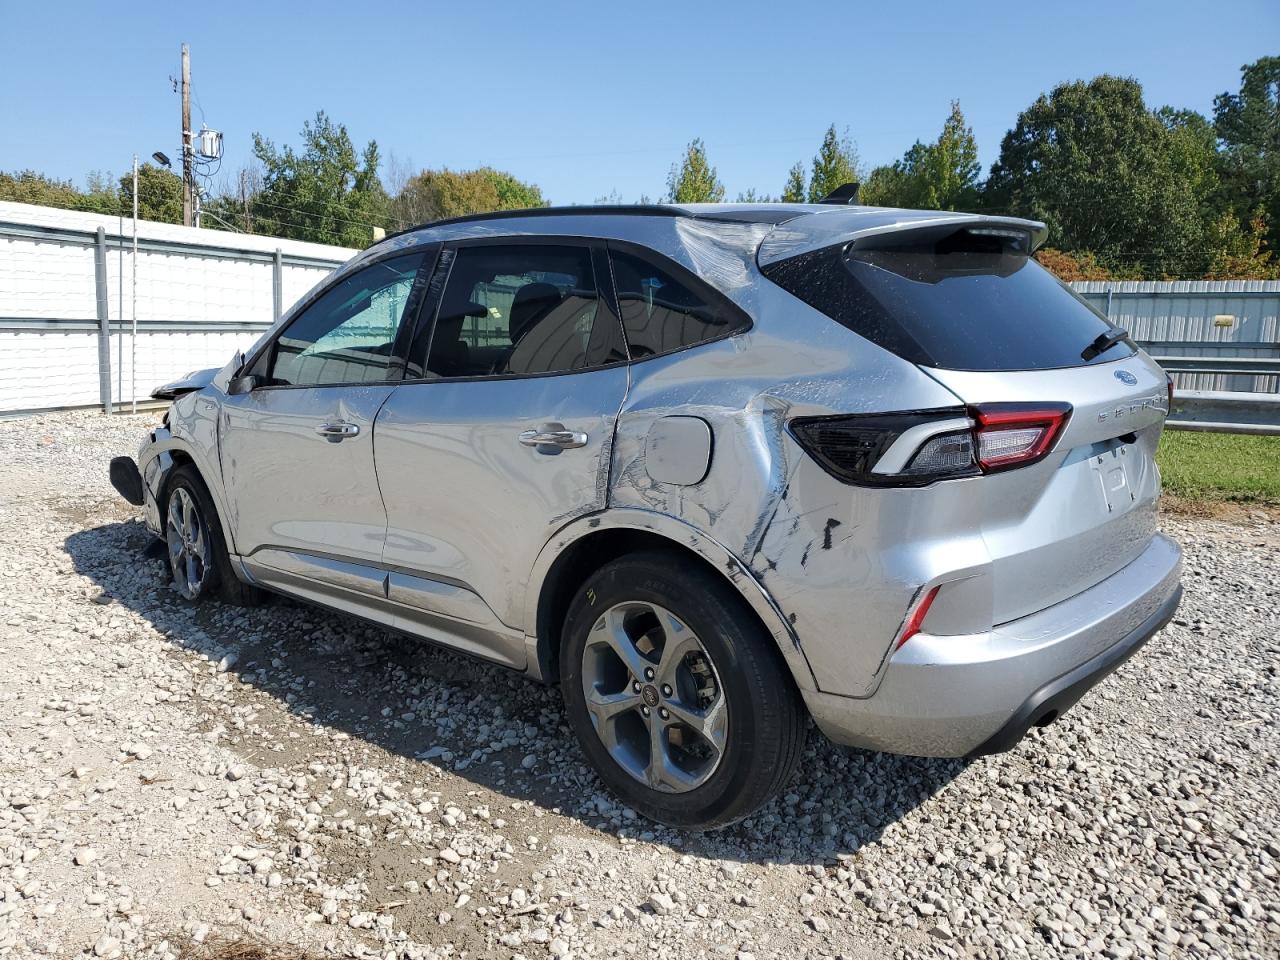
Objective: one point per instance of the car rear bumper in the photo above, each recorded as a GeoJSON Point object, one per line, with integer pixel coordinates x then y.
{"type": "Point", "coordinates": [978, 694]}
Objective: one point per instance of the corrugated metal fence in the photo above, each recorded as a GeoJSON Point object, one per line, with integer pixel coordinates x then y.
{"type": "Point", "coordinates": [1217, 320]}
{"type": "Point", "coordinates": [66, 308]}
{"type": "Point", "coordinates": [67, 302]}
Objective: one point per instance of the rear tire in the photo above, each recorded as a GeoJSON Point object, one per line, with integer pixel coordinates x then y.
{"type": "Point", "coordinates": [196, 552]}
{"type": "Point", "coordinates": [677, 694]}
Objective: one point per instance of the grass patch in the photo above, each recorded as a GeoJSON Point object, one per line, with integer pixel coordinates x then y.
{"type": "Point", "coordinates": [1229, 467]}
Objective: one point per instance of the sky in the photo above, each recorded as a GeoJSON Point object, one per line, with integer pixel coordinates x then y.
{"type": "Point", "coordinates": [586, 99]}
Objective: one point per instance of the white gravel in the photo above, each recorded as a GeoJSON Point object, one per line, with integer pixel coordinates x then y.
{"type": "Point", "coordinates": [172, 773]}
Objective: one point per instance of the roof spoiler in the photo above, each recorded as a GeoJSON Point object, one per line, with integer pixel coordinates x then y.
{"type": "Point", "coordinates": [844, 195]}
{"type": "Point", "coordinates": [829, 228]}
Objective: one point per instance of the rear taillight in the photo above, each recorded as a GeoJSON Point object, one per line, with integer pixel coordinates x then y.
{"type": "Point", "coordinates": [1168, 382]}
{"type": "Point", "coordinates": [914, 448]}
{"type": "Point", "coordinates": [1016, 434]}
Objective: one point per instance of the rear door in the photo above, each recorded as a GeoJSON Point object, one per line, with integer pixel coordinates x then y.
{"type": "Point", "coordinates": [503, 433]}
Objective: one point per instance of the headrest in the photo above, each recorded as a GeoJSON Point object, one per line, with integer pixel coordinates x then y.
{"type": "Point", "coordinates": [532, 302]}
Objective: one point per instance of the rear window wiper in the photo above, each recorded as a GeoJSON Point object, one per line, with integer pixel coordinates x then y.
{"type": "Point", "coordinates": [1104, 342]}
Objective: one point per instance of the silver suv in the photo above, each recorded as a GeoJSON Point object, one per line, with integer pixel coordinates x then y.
{"type": "Point", "coordinates": [714, 469]}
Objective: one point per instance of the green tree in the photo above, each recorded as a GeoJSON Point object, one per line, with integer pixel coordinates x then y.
{"type": "Point", "coordinates": [796, 190]}
{"type": "Point", "coordinates": [1107, 176]}
{"type": "Point", "coordinates": [942, 175]}
{"type": "Point", "coordinates": [751, 196]}
{"type": "Point", "coordinates": [950, 169]}
{"type": "Point", "coordinates": [325, 193]}
{"type": "Point", "coordinates": [159, 194]}
{"type": "Point", "coordinates": [884, 187]}
{"type": "Point", "coordinates": [694, 180]}
{"type": "Point", "coordinates": [437, 194]}
{"type": "Point", "coordinates": [835, 165]}
{"type": "Point", "coordinates": [1248, 126]}
{"type": "Point", "coordinates": [27, 186]}
{"type": "Point", "coordinates": [1239, 251]}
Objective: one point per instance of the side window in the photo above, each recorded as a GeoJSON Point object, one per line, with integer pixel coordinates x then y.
{"type": "Point", "coordinates": [518, 310]}
{"type": "Point", "coordinates": [661, 313]}
{"type": "Point", "coordinates": [347, 335]}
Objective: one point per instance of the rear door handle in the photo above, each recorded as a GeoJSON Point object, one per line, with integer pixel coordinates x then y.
{"type": "Point", "coordinates": [553, 435]}
{"type": "Point", "coordinates": [338, 430]}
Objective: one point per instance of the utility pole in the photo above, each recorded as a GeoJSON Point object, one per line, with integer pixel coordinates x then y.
{"type": "Point", "coordinates": [133, 339]}
{"type": "Point", "coordinates": [186, 136]}
{"type": "Point", "coordinates": [244, 202]}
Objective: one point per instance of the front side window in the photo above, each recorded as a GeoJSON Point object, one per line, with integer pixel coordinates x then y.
{"type": "Point", "coordinates": [347, 335]}
{"type": "Point", "coordinates": [662, 313]}
{"type": "Point", "coordinates": [518, 310]}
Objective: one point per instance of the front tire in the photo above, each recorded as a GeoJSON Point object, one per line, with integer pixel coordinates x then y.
{"type": "Point", "coordinates": [678, 696]}
{"type": "Point", "coordinates": [195, 549]}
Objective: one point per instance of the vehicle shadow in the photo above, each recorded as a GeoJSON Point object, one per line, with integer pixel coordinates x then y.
{"type": "Point", "coordinates": [482, 722]}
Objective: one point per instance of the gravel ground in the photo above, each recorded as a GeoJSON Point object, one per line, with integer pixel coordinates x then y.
{"type": "Point", "coordinates": [171, 774]}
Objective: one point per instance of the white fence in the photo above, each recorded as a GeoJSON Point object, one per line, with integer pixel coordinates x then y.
{"type": "Point", "coordinates": [67, 302]}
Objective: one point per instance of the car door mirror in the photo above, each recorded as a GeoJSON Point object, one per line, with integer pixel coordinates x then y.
{"type": "Point", "coordinates": [239, 386]}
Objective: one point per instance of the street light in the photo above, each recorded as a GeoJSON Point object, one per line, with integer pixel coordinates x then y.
{"type": "Point", "coordinates": [161, 159]}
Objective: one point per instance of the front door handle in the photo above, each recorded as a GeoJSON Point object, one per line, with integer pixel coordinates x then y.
{"type": "Point", "coordinates": [338, 430]}
{"type": "Point", "coordinates": [553, 435]}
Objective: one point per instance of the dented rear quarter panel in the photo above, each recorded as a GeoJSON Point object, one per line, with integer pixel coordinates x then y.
{"type": "Point", "coordinates": [821, 550]}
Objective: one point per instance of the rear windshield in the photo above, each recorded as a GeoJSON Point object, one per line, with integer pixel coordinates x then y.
{"type": "Point", "coordinates": [954, 309]}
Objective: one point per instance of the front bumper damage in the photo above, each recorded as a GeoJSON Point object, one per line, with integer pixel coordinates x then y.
{"type": "Point", "coordinates": [139, 481]}
{"type": "Point", "coordinates": [127, 480]}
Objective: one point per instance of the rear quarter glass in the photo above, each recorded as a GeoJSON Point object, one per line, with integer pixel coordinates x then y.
{"type": "Point", "coordinates": [954, 310]}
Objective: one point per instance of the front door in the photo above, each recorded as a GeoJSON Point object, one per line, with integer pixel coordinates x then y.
{"type": "Point", "coordinates": [506, 436]}
{"type": "Point", "coordinates": [297, 451]}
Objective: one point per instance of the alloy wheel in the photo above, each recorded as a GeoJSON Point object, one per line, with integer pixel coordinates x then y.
{"type": "Point", "coordinates": [188, 543]}
{"type": "Point", "coordinates": [654, 697]}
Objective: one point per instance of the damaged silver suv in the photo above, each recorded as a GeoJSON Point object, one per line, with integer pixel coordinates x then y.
{"type": "Point", "coordinates": [716, 470]}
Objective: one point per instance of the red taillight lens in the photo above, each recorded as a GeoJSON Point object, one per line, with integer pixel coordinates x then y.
{"type": "Point", "coordinates": [1016, 434]}
{"type": "Point", "coordinates": [918, 612]}
{"type": "Point", "coordinates": [1168, 380]}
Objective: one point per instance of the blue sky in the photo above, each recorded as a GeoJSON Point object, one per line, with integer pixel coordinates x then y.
{"type": "Point", "coordinates": [587, 98]}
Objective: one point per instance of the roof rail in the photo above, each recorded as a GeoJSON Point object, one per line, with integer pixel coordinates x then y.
{"type": "Point", "coordinates": [598, 209]}
{"type": "Point", "coordinates": [611, 210]}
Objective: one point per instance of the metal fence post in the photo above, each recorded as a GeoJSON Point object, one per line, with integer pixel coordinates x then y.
{"type": "Point", "coordinates": [277, 281]}
{"type": "Point", "coordinates": [104, 324]}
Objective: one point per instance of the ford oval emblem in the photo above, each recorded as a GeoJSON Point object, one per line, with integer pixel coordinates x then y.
{"type": "Point", "coordinates": [1124, 376]}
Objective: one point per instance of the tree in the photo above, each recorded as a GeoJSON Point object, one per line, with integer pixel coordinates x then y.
{"type": "Point", "coordinates": [27, 186]}
{"type": "Point", "coordinates": [325, 194]}
{"type": "Point", "coordinates": [1107, 175]}
{"type": "Point", "coordinates": [796, 190]}
{"type": "Point", "coordinates": [1072, 266]}
{"type": "Point", "coordinates": [751, 196]}
{"type": "Point", "coordinates": [437, 194]}
{"type": "Point", "coordinates": [1248, 127]}
{"type": "Point", "coordinates": [835, 165]}
{"type": "Point", "coordinates": [694, 180]}
{"type": "Point", "coordinates": [949, 170]}
{"type": "Point", "coordinates": [884, 187]}
{"type": "Point", "coordinates": [1238, 251]}
{"type": "Point", "coordinates": [159, 194]}
{"type": "Point", "coordinates": [942, 175]}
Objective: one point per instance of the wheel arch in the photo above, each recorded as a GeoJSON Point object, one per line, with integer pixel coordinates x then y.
{"type": "Point", "coordinates": [589, 542]}
{"type": "Point", "coordinates": [172, 453]}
